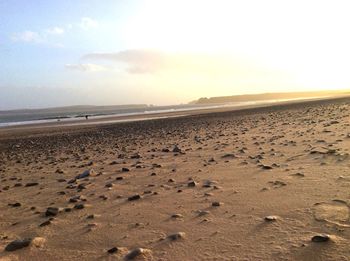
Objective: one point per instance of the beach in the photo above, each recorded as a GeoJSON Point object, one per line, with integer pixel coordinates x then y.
{"type": "Point", "coordinates": [253, 183]}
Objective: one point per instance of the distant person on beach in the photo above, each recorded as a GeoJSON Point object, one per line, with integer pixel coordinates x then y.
{"type": "Point", "coordinates": [87, 117]}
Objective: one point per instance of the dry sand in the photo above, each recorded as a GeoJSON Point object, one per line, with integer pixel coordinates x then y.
{"type": "Point", "coordinates": [255, 184]}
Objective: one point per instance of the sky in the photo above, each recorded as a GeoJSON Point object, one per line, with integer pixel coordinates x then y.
{"type": "Point", "coordinates": [92, 52]}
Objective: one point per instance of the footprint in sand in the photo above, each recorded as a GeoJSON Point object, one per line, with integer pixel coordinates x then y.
{"type": "Point", "coordinates": [336, 212]}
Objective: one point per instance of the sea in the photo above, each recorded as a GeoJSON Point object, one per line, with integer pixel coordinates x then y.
{"type": "Point", "coordinates": [77, 114]}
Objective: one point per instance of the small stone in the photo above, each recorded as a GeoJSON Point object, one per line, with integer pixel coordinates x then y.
{"type": "Point", "coordinates": [266, 167]}
{"type": "Point", "coordinates": [71, 181]}
{"type": "Point", "coordinates": [176, 149]}
{"type": "Point", "coordinates": [18, 244]}
{"type": "Point", "coordinates": [112, 250]}
{"type": "Point", "coordinates": [134, 197]}
{"type": "Point", "coordinates": [191, 183]}
{"type": "Point", "coordinates": [45, 223]}
{"type": "Point", "coordinates": [320, 238]}
{"type": "Point", "coordinates": [22, 243]}
{"type": "Point", "coordinates": [271, 218]}
{"type": "Point", "coordinates": [85, 174]}
{"type": "Point", "coordinates": [15, 205]}
{"type": "Point", "coordinates": [51, 211]}
{"type": "Point", "coordinates": [31, 184]}
{"type": "Point", "coordinates": [74, 199]}
{"type": "Point", "coordinates": [92, 216]}
{"type": "Point", "coordinates": [79, 206]}
{"type": "Point", "coordinates": [125, 169]}
{"type": "Point", "coordinates": [177, 216]}
{"type": "Point", "coordinates": [216, 204]}
{"type": "Point", "coordinates": [229, 156]}
{"type": "Point", "coordinates": [81, 186]}
{"type": "Point", "coordinates": [104, 197]}
{"type": "Point", "coordinates": [109, 185]}
{"type": "Point", "coordinates": [38, 241]}
{"type": "Point", "coordinates": [203, 212]}
{"type": "Point", "coordinates": [176, 236]}
{"type": "Point", "coordinates": [135, 156]}
{"type": "Point", "coordinates": [137, 252]}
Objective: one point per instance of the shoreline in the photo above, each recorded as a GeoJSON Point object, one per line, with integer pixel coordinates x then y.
{"type": "Point", "coordinates": [114, 120]}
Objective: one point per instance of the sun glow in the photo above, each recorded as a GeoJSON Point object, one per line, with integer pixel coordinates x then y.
{"type": "Point", "coordinates": [309, 44]}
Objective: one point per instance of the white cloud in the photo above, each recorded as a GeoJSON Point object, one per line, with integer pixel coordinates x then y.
{"type": "Point", "coordinates": [42, 37]}
{"type": "Point", "coordinates": [55, 30]}
{"type": "Point", "coordinates": [86, 67]}
{"type": "Point", "coordinates": [88, 23]}
{"type": "Point", "coordinates": [27, 36]}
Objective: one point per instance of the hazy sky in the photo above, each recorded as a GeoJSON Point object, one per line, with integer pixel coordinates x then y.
{"type": "Point", "coordinates": [65, 52]}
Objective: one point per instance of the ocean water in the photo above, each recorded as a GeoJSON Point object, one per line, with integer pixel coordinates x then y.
{"type": "Point", "coordinates": [77, 115]}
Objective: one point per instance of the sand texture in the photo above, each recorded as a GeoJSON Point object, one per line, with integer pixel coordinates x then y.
{"type": "Point", "coordinates": [270, 183]}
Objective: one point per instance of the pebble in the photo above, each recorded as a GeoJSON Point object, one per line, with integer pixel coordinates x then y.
{"type": "Point", "coordinates": [203, 212]}
{"type": "Point", "coordinates": [79, 206]}
{"type": "Point", "coordinates": [176, 149]}
{"type": "Point", "coordinates": [134, 197]}
{"type": "Point", "coordinates": [216, 204]}
{"type": "Point", "coordinates": [104, 197]}
{"type": "Point", "coordinates": [320, 238]}
{"type": "Point", "coordinates": [191, 183]}
{"type": "Point", "coordinates": [177, 216]}
{"type": "Point", "coordinates": [15, 205]}
{"type": "Point", "coordinates": [271, 218]}
{"type": "Point", "coordinates": [137, 252]}
{"type": "Point", "coordinates": [74, 199]}
{"type": "Point", "coordinates": [109, 185]}
{"type": "Point", "coordinates": [51, 211]}
{"type": "Point", "coordinates": [176, 236]}
{"type": "Point", "coordinates": [112, 250]}
{"type": "Point", "coordinates": [266, 167]}
{"type": "Point", "coordinates": [22, 243]}
{"type": "Point", "coordinates": [18, 244]}
{"type": "Point", "coordinates": [85, 174]}
{"type": "Point", "coordinates": [45, 223]}
{"type": "Point", "coordinates": [31, 184]}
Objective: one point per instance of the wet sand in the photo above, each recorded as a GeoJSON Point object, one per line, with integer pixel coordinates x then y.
{"type": "Point", "coordinates": [269, 183]}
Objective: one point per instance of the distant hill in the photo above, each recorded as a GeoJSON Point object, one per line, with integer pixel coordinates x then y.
{"type": "Point", "coordinates": [268, 96]}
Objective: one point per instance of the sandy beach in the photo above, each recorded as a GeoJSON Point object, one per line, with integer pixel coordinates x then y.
{"type": "Point", "coordinates": [268, 183]}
